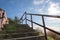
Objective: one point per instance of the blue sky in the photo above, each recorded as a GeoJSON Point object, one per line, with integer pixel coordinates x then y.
{"type": "Point", "coordinates": [15, 7]}
{"type": "Point", "coordinates": [18, 7]}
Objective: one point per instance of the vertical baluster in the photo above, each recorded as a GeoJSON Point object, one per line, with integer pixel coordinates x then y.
{"type": "Point", "coordinates": [25, 18]}
{"type": "Point", "coordinates": [22, 21]}
{"type": "Point", "coordinates": [44, 27]}
{"type": "Point", "coordinates": [31, 22]}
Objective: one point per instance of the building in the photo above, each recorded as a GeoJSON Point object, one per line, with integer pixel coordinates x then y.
{"type": "Point", "coordinates": [3, 18]}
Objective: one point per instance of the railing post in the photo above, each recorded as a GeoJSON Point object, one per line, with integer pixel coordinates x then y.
{"type": "Point", "coordinates": [31, 22]}
{"type": "Point", "coordinates": [22, 21]}
{"type": "Point", "coordinates": [44, 27]}
{"type": "Point", "coordinates": [25, 18]}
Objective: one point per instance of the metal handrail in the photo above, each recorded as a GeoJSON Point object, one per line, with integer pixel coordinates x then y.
{"type": "Point", "coordinates": [45, 27]}
{"type": "Point", "coordinates": [54, 16]}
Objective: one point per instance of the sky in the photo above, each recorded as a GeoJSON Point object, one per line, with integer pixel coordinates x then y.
{"type": "Point", "coordinates": [18, 7]}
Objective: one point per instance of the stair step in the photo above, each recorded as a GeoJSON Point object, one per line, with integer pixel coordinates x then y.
{"type": "Point", "coordinates": [28, 38]}
{"type": "Point", "coordinates": [18, 28]}
{"type": "Point", "coordinates": [17, 35]}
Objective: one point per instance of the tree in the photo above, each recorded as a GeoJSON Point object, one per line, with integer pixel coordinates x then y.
{"type": "Point", "coordinates": [10, 21]}
{"type": "Point", "coordinates": [16, 20]}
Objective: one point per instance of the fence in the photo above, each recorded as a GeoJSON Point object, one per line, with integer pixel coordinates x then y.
{"type": "Point", "coordinates": [25, 14]}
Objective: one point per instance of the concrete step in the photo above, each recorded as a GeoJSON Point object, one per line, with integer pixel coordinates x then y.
{"type": "Point", "coordinates": [18, 28]}
{"type": "Point", "coordinates": [17, 35]}
{"type": "Point", "coordinates": [28, 38]}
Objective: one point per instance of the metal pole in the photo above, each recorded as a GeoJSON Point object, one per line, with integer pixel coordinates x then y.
{"type": "Point", "coordinates": [44, 27]}
{"type": "Point", "coordinates": [22, 21]}
{"type": "Point", "coordinates": [25, 18]}
{"type": "Point", "coordinates": [31, 22]}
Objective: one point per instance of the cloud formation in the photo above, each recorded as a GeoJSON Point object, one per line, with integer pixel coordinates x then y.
{"type": "Point", "coordinates": [53, 8]}
{"type": "Point", "coordinates": [38, 2]}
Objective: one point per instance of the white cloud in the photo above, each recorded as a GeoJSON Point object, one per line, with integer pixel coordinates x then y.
{"type": "Point", "coordinates": [38, 28]}
{"type": "Point", "coordinates": [53, 9]}
{"type": "Point", "coordinates": [47, 0]}
{"type": "Point", "coordinates": [54, 28]}
{"type": "Point", "coordinates": [38, 2]}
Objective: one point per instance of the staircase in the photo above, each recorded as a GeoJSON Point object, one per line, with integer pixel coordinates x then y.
{"type": "Point", "coordinates": [24, 32]}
